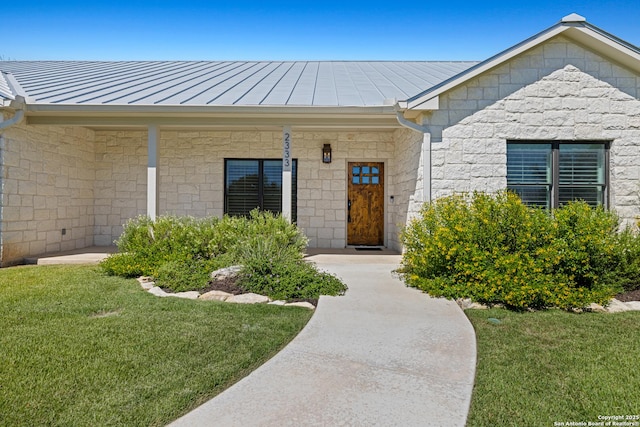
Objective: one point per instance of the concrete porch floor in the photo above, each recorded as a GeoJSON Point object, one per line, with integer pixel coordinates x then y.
{"type": "Point", "coordinates": [89, 255]}
{"type": "Point", "coordinates": [95, 254]}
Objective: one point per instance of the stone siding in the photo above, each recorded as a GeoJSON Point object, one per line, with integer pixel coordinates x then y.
{"type": "Point", "coordinates": [121, 182]}
{"type": "Point", "coordinates": [408, 182]}
{"type": "Point", "coordinates": [557, 91]}
{"type": "Point", "coordinates": [47, 187]}
{"type": "Point", "coordinates": [191, 175]}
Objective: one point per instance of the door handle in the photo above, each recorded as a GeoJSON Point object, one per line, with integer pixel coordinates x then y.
{"type": "Point", "coordinates": [349, 210]}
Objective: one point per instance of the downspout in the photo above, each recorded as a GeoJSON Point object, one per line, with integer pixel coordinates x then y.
{"type": "Point", "coordinates": [426, 152]}
{"type": "Point", "coordinates": [17, 118]}
{"type": "Point", "coordinates": [19, 106]}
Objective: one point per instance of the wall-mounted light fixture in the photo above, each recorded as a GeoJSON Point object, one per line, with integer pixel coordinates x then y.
{"type": "Point", "coordinates": [326, 153]}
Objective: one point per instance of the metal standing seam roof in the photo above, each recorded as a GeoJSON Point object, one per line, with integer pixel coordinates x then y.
{"type": "Point", "coordinates": [227, 83]}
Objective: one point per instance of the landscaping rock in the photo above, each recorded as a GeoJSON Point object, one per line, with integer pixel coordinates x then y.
{"type": "Point", "coordinates": [301, 304]}
{"type": "Point", "coordinates": [596, 308]}
{"type": "Point", "coordinates": [616, 306]}
{"type": "Point", "coordinates": [146, 282]}
{"type": "Point", "coordinates": [157, 291]}
{"type": "Point", "coordinates": [147, 285]}
{"type": "Point", "coordinates": [226, 273]}
{"type": "Point", "coordinates": [633, 305]}
{"type": "Point", "coordinates": [215, 296]}
{"type": "Point", "coordinates": [185, 295]}
{"type": "Point", "coordinates": [249, 298]}
{"type": "Point", "coordinates": [466, 303]}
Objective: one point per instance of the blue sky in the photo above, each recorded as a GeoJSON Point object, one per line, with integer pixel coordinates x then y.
{"type": "Point", "coordinates": [291, 30]}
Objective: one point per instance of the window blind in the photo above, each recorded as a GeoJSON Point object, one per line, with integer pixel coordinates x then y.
{"type": "Point", "coordinates": [552, 174]}
{"type": "Point", "coordinates": [529, 172]}
{"type": "Point", "coordinates": [256, 183]}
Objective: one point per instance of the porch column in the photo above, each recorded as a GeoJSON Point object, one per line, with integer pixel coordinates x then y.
{"type": "Point", "coordinates": [426, 167]}
{"type": "Point", "coordinates": [287, 162]}
{"type": "Point", "coordinates": [152, 171]}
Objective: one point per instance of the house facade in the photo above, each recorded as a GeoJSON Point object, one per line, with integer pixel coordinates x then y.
{"type": "Point", "coordinates": [348, 150]}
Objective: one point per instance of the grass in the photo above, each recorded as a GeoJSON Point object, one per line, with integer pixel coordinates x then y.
{"type": "Point", "coordinates": [541, 368]}
{"type": "Point", "coordinates": [81, 348]}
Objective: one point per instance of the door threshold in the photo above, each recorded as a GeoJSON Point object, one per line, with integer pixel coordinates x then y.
{"type": "Point", "coordinates": [369, 248]}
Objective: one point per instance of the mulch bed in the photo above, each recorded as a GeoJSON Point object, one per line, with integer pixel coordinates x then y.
{"type": "Point", "coordinates": [228, 285]}
{"type": "Point", "coordinates": [629, 296]}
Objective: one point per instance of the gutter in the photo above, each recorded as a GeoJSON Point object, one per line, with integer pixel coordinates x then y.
{"type": "Point", "coordinates": [409, 124]}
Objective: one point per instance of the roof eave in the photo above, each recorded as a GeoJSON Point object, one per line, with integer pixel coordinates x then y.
{"type": "Point", "coordinates": [211, 116]}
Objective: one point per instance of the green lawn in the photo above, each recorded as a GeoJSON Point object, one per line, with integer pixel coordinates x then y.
{"type": "Point", "coordinates": [541, 368]}
{"type": "Point", "coordinates": [81, 348]}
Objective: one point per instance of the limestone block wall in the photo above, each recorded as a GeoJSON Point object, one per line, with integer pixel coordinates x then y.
{"type": "Point", "coordinates": [46, 187]}
{"type": "Point", "coordinates": [121, 182]}
{"type": "Point", "coordinates": [557, 91]}
{"type": "Point", "coordinates": [408, 182]}
{"type": "Point", "coordinates": [191, 175]}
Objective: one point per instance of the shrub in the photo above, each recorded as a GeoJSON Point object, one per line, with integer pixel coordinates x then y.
{"type": "Point", "coordinates": [280, 233]}
{"type": "Point", "coordinates": [186, 275]}
{"type": "Point", "coordinates": [627, 255]}
{"type": "Point", "coordinates": [290, 281]}
{"type": "Point", "coordinates": [280, 272]}
{"type": "Point", "coordinates": [180, 253]}
{"type": "Point", "coordinates": [587, 238]}
{"type": "Point", "coordinates": [494, 249]}
{"type": "Point", "coordinates": [168, 238]}
{"type": "Point", "coordinates": [123, 264]}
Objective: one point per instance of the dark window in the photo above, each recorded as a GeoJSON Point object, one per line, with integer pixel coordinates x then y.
{"type": "Point", "coordinates": [550, 174]}
{"type": "Point", "coordinates": [256, 183]}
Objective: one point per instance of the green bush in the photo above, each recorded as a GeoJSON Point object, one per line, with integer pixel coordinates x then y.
{"type": "Point", "coordinates": [627, 274]}
{"type": "Point", "coordinates": [124, 264]}
{"type": "Point", "coordinates": [280, 272]}
{"type": "Point", "coordinates": [186, 275]}
{"type": "Point", "coordinates": [496, 250]}
{"type": "Point", "coordinates": [181, 252]}
{"type": "Point", "coordinates": [168, 238]}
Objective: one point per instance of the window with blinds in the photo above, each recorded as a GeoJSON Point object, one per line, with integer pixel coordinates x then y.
{"type": "Point", "coordinates": [529, 172]}
{"type": "Point", "coordinates": [551, 174]}
{"type": "Point", "coordinates": [256, 183]}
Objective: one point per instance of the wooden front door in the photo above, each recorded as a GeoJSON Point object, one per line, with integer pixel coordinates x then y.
{"type": "Point", "coordinates": [365, 208]}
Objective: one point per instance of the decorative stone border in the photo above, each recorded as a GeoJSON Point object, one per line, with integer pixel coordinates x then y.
{"type": "Point", "coordinates": [615, 306]}
{"type": "Point", "coordinates": [149, 285]}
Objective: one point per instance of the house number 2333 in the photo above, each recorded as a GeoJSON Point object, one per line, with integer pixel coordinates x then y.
{"type": "Point", "coordinates": [286, 150]}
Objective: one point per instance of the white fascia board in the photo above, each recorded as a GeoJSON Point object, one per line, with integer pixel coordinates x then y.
{"type": "Point", "coordinates": [421, 102]}
{"type": "Point", "coordinates": [606, 45]}
{"type": "Point", "coordinates": [430, 104]}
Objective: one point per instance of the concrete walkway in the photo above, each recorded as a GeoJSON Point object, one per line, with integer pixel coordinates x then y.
{"type": "Point", "coordinates": [382, 355]}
